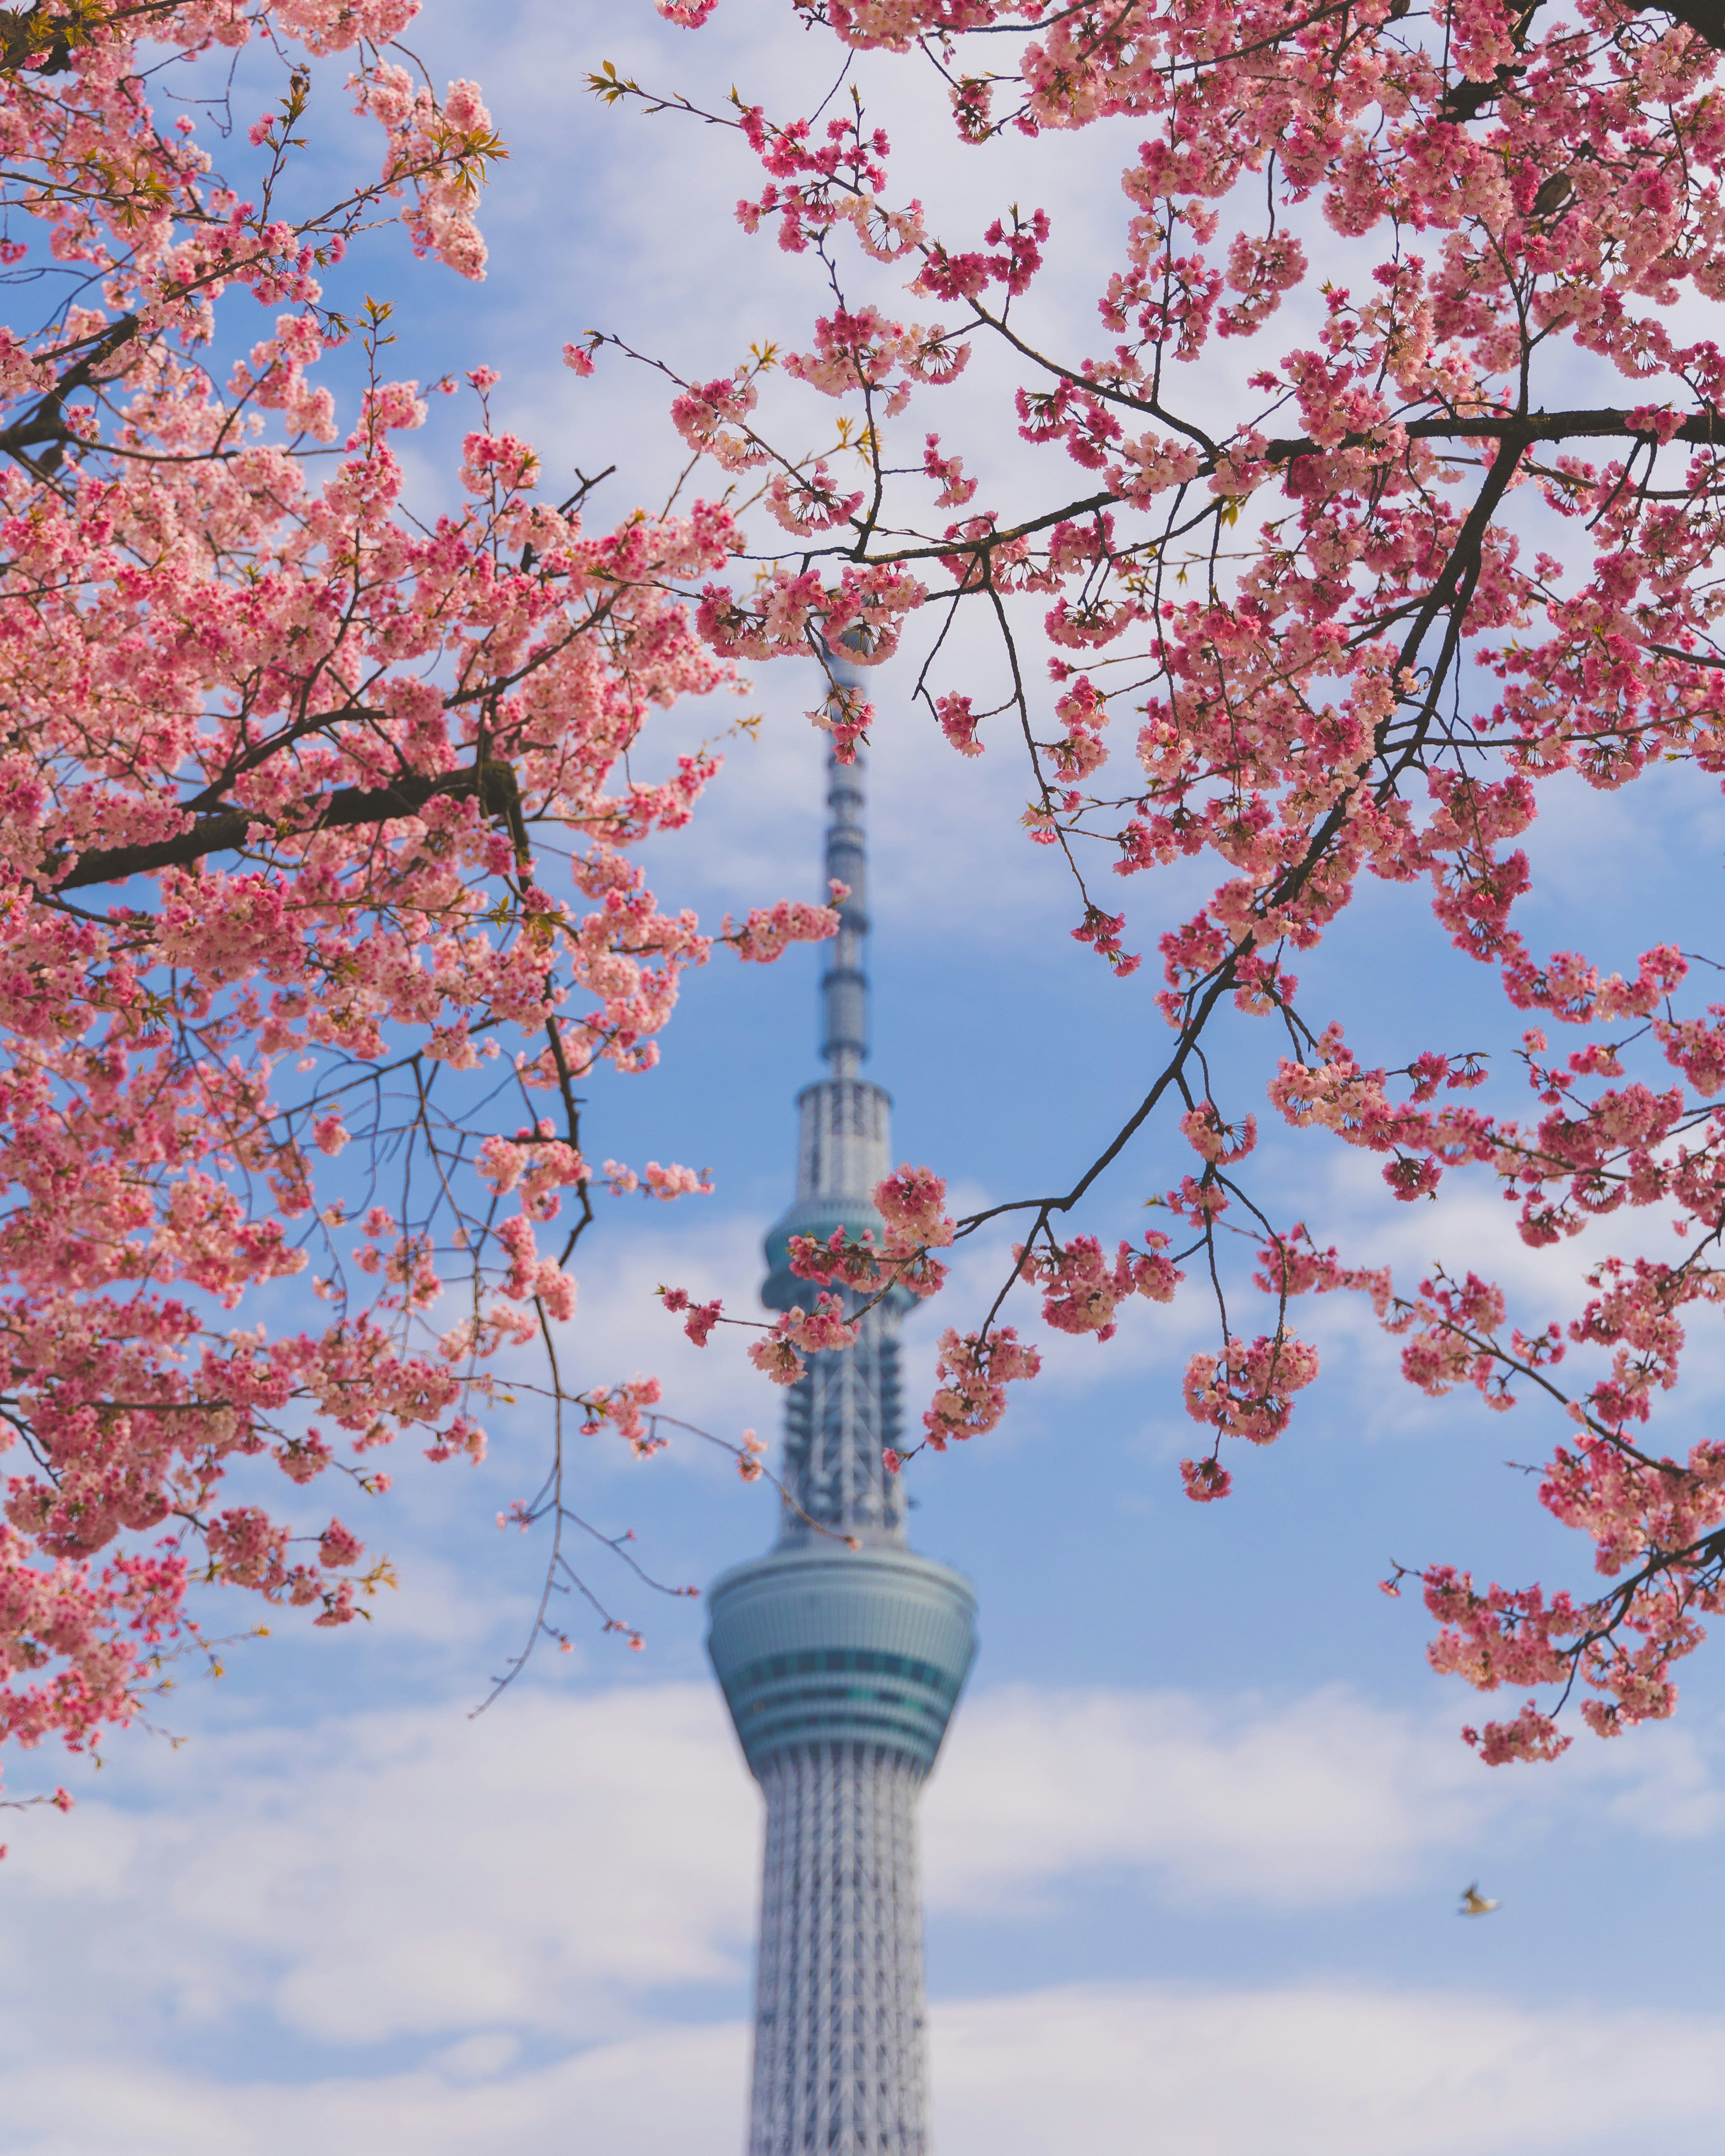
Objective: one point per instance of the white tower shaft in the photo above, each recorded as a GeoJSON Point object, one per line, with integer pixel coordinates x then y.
{"type": "Point", "coordinates": [839, 2012]}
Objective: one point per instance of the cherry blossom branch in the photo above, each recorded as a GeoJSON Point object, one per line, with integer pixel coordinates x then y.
{"type": "Point", "coordinates": [493, 785]}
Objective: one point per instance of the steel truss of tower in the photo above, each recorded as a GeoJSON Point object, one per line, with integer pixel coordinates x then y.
{"type": "Point", "coordinates": [841, 1666]}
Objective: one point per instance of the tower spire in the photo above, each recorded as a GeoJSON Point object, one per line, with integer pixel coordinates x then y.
{"type": "Point", "coordinates": [844, 985]}
{"type": "Point", "coordinates": [843, 1415]}
{"type": "Point", "coordinates": [842, 1653]}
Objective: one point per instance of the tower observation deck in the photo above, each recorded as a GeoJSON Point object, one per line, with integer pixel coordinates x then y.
{"type": "Point", "coordinates": [841, 1667]}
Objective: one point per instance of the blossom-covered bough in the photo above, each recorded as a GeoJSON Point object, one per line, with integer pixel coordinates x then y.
{"type": "Point", "coordinates": [1364, 583]}
{"type": "Point", "coordinates": [316, 829]}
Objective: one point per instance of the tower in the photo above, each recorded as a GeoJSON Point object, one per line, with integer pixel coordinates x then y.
{"type": "Point", "coordinates": [841, 1666]}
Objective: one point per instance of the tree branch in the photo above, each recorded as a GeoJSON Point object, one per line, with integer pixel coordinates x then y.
{"type": "Point", "coordinates": [1705, 17]}
{"type": "Point", "coordinates": [493, 784]}
{"type": "Point", "coordinates": [1706, 428]}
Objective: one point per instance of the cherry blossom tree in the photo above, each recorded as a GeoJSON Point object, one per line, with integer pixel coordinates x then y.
{"type": "Point", "coordinates": [315, 893]}
{"type": "Point", "coordinates": [316, 830]}
{"type": "Point", "coordinates": [1383, 486]}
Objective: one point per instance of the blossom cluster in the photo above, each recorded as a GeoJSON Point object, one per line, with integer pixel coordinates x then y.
{"type": "Point", "coordinates": [1362, 620]}
{"type": "Point", "coordinates": [275, 908]}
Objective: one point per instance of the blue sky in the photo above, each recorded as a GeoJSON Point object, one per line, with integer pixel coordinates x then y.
{"type": "Point", "coordinates": [1194, 1853]}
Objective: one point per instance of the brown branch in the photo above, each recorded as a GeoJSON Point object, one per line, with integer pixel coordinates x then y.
{"type": "Point", "coordinates": [1704, 428]}
{"type": "Point", "coordinates": [493, 784]}
{"type": "Point", "coordinates": [1705, 17]}
{"type": "Point", "coordinates": [45, 420]}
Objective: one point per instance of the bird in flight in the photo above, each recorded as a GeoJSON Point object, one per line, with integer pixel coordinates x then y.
{"type": "Point", "coordinates": [1474, 1903]}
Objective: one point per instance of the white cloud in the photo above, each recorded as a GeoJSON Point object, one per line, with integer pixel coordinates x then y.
{"type": "Point", "coordinates": [667, 2094]}
{"type": "Point", "coordinates": [546, 1866]}
{"type": "Point", "coordinates": [516, 1907]}
{"type": "Point", "coordinates": [1323, 1799]}
{"type": "Point", "coordinates": [1328, 2071]}
{"type": "Point", "coordinates": [1317, 2072]}
{"type": "Point", "coordinates": [404, 1873]}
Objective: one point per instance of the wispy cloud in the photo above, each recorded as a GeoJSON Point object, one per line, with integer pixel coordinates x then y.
{"type": "Point", "coordinates": [1324, 2071]}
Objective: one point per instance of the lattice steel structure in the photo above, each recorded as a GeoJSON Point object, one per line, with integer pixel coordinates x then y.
{"type": "Point", "coordinates": [841, 1667]}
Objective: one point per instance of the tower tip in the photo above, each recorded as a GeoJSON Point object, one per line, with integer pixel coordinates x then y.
{"type": "Point", "coordinates": [844, 985]}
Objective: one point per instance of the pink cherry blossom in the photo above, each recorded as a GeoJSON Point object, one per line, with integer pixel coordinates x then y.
{"type": "Point", "coordinates": [312, 809]}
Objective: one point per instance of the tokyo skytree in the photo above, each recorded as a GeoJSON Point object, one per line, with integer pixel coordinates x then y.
{"type": "Point", "coordinates": [841, 1667]}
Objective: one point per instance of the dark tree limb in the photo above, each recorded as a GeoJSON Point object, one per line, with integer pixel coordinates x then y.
{"type": "Point", "coordinates": [45, 423]}
{"type": "Point", "coordinates": [1705, 17]}
{"type": "Point", "coordinates": [1704, 428]}
{"type": "Point", "coordinates": [1468, 99]}
{"type": "Point", "coordinates": [493, 785]}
